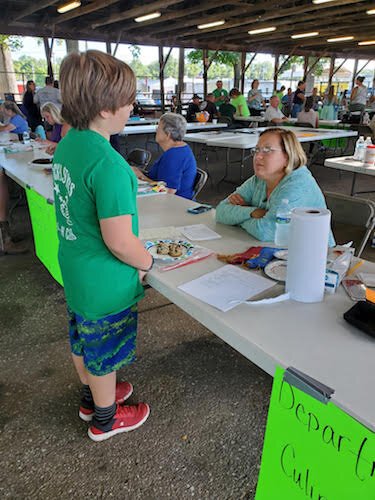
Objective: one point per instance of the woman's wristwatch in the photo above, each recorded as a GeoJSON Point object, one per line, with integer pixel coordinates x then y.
{"type": "Point", "coordinates": [149, 269]}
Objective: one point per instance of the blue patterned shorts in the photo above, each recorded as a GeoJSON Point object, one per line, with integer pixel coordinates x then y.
{"type": "Point", "coordinates": [106, 344]}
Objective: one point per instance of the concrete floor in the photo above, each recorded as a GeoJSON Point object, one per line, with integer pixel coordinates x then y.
{"type": "Point", "coordinates": [208, 404]}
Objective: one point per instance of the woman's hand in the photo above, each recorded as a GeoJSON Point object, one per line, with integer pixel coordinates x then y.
{"type": "Point", "coordinates": [51, 149]}
{"type": "Point", "coordinates": [258, 213]}
{"type": "Point", "coordinates": [236, 199]}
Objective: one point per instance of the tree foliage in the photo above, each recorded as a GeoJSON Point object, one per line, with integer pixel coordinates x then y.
{"type": "Point", "coordinates": [31, 68]}
{"type": "Point", "coordinates": [11, 42]}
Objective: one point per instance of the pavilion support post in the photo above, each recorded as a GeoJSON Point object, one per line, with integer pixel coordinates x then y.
{"type": "Point", "coordinates": [108, 47]}
{"type": "Point", "coordinates": [48, 51]}
{"type": "Point", "coordinates": [161, 77]}
{"type": "Point", "coordinates": [205, 71]}
{"type": "Point", "coordinates": [276, 72]}
{"type": "Point", "coordinates": [181, 71]}
{"type": "Point", "coordinates": [305, 66]}
{"type": "Point", "coordinates": [162, 62]}
{"type": "Point", "coordinates": [243, 65]}
{"type": "Point", "coordinates": [117, 43]}
{"type": "Point", "coordinates": [331, 71]}
{"type": "Point", "coordinates": [354, 72]}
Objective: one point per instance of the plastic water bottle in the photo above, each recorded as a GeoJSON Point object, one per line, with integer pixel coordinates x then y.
{"type": "Point", "coordinates": [283, 216]}
{"type": "Point", "coordinates": [26, 137]}
{"type": "Point", "coordinates": [360, 147]}
{"type": "Point", "coordinates": [366, 119]}
{"type": "Point", "coordinates": [368, 142]}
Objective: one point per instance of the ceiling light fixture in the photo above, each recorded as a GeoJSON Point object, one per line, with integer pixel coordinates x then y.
{"type": "Point", "coordinates": [322, 1]}
{"type": "Point", "coordinates": [370, 12]}
{"type": "Point", "coordinates": [305, 35]}
{"type": "Point", "coordinates": [262, 30]}
{"type": "Point", "coordinates": [340, 39]}
{"type": "Point", "coordinates": [68, 6]}
{"type": "Point", "coordinates": [368, 42]}
{"type": "Point", "coordinates": [147, 17]}
{"type": "Point", "coordinates": [210, 25]}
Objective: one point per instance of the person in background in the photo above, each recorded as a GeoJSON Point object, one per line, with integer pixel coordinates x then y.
{"type": "Point", "coordinates": [220, 94]}
{"type": "Point", "coordinates": [280, 95]}
{"type": "Point", "coordinates": [273, 113]}
{"type": "Point", "coordinates": [280, 173]}
{"type": "Point", "coordinates": [227, 109]}
{"type": "Point", "coordinates": [209, 106]}
{"type": "Point", "coordinates": [316, 99]}
{"type": "Point", "coordinates": [52, 115]}
{"type": "Point", "coordinates": [176, 166]}
{"type": "Point", "coordinates": [298, 98]}
{"type": "Point", "coordinates": [239, 102]}
{"type": "Point", "coordinates": [56, 84]}
{"type": "Point", "coordinates": [344, 100]}
{"type": "Point", "coordinates": [287, 102]}
{"type": "Point", "coordinates": [193, 108]}
{"type": "Point", "coordinates": [358, 97]}
{"type": "Point", "coordinates": [17, 121]}
{"type": "Point", "coordinates": [102, 260]}
{"type": "Point", "coordinates": [255, 99]}
{"type": "Point", "coordinates": [33, 115]}
{"type": "Point", "coordinates": [371, 102]}
{"type": "Point", "coordinates": [328, 111]}
{"type": "Point", "coordinates": [308, 115]}
{"type": "Point", "coordinates": [48, 94]}
{"type": "Point", "coordinates": [174, 104]}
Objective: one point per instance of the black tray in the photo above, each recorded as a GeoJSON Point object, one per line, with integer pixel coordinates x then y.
{"type": "Point", "coordinates": [362, 315]}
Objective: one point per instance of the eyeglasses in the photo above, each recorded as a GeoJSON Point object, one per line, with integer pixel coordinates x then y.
{"type": "Point", "coordinates": [266, 150]}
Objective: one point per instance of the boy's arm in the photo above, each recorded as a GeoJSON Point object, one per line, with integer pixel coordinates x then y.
{"type": "Point", "coordinates": [118, 236]}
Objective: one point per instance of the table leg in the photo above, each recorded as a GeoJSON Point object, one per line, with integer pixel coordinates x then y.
{"type": "Point", "coordinates": [352, 192]}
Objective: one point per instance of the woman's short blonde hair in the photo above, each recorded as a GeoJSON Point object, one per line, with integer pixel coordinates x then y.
{"type": "Point", "coordinates": [53, 110]}
{"type": "Point", "coordinates": [291, 146]}
{"type": "Point", "coordinates": [92, 82]}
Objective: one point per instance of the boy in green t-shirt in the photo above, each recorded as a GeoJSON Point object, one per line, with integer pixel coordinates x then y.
{"type": "Point", "coordinates": [101, 258]}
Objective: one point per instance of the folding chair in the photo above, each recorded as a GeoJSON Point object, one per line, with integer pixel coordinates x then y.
{"type": "Point", "coordinates": [139, 158]}
{"type": "Point", "coordinates": [352, 219]}
{"type": "Point", "coordinates": [200, 181]}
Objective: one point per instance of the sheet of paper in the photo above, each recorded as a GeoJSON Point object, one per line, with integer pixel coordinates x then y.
{"type": "Point", "coordinates": [199, 232]}
{"type": "Point", "coordinates": [160, 233]}
{"type": "Point", "coordinates": [226, 287]}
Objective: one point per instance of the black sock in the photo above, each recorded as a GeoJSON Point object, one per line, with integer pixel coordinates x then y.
{"type": "Point", "coordinates": [86, 394]}
{"type": "Point", "coordinates": [104, 415]}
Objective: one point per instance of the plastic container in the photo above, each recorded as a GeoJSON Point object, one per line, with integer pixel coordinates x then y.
{"type": "Point", "coordinates": [26, 137]}
{"type": "Point", "coordinates": [283, 216]}
{"type": "Point", "coordinates": [369, 160]}
{"type": "Point", "coordinates": [359, 153]}
{"type": "Point", "coordinates": [366, 119]}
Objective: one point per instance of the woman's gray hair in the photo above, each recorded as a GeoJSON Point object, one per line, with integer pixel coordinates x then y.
{"type": "Point", "coordinates": [174, 125]}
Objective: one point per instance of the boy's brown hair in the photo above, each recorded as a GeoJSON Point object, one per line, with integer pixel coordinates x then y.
{"type": "Point", "coordinates": [92, 82]}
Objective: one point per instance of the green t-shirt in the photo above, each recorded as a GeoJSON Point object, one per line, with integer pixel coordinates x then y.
{"type": "Point", "coordinates": [92, 182]}
{"type": "Point", "coordinates": [219, 94]}
{"type": "Point", "coordinates": [240, 101]}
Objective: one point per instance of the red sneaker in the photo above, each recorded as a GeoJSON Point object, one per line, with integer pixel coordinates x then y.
{"type": "Point", "coordinates": [123, 391]}
{"type": "Point", "coordinates": [126, 418]}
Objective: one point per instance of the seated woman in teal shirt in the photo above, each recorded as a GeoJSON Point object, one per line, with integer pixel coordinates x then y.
{"type": "Point", "coordinates": [280, 173]}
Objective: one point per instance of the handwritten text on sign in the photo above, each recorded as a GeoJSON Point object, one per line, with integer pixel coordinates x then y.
{"type": "Point", "coordinates": [314, 451]}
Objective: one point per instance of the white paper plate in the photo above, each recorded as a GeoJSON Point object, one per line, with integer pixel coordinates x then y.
{"type": "Point", "coordinates": [281, 254]}
{"type": "Point", "coordinates": [187, 250]}
{"type": "Point", "coordinates": [276, 270]}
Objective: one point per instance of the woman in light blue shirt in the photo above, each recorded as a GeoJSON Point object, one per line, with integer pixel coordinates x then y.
{"type": "Point", "coordinates": [280, 173]}
{"type": "Point", "coordinates": [255, 98]}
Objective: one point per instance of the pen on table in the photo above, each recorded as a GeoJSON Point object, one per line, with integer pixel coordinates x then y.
{"type": "Point", "coordinates": [354, 268]}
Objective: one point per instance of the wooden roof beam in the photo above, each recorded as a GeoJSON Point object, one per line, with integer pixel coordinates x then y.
{"type": "Point", "coordinates": [34, 7]}
{"type": "Point", "coordinates": [202, 7]}
{"type": "Point", "coordinates": [83, 11]}
{"type": "Point", "coordinates": [135, 12]}
{"type": "Point", "coordinates": [277, 14]}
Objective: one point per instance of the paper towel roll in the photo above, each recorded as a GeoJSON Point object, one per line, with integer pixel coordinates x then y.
{"type": "Point", "coordinates": [307, 254]}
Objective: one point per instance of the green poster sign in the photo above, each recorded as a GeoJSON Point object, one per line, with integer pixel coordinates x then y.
{"type": "Point", "coordinates": [314, 450]}
{"type": "Point", "coordinates": [43, 220]}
